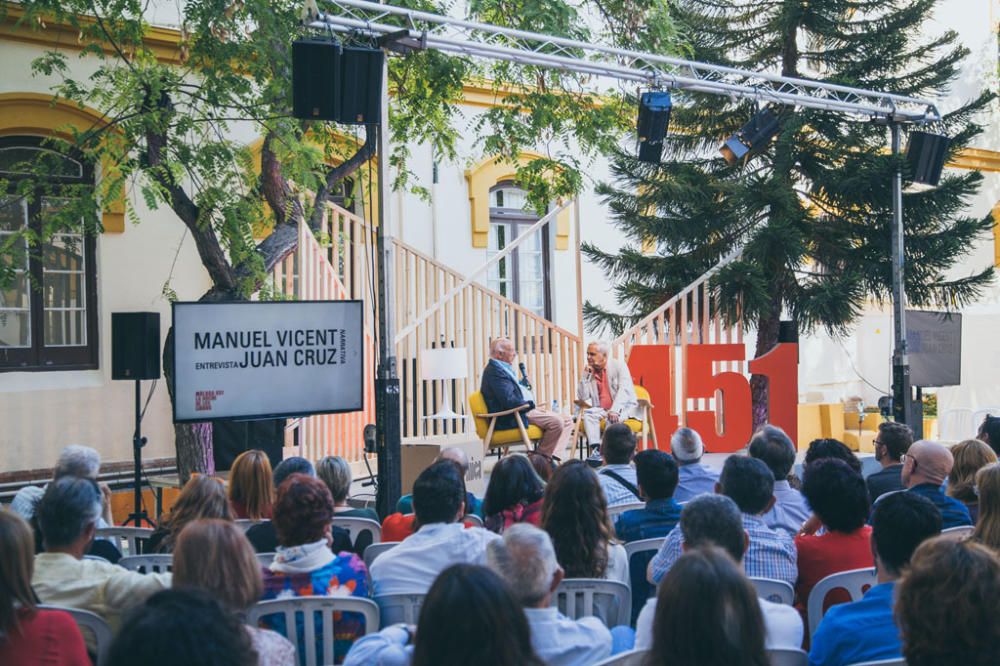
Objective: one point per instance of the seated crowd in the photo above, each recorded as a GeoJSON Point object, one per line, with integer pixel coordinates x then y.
{"type": "Point", "coordinates": [488, 593]}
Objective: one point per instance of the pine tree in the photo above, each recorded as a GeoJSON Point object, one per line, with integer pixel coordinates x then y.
{"type": "Point", "coordinates": [813, 211]}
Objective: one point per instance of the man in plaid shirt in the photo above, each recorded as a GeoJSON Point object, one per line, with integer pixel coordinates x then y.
{"type": "Point", "coordinates": [771, 554]}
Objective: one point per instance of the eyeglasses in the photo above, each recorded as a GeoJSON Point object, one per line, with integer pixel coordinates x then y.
{"type": "Point", "coordinates": [903, 458]}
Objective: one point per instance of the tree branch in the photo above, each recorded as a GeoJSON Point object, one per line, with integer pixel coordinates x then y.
{"type": "Point", "coordinates": [341, 171]}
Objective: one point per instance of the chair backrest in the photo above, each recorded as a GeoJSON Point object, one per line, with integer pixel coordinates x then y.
{"type": "Point", "coordinates": [609, 600]}
{"type": "Point", "coordinates": [643, 545]}
{"type": "Point", "coordinates": [376, 549]}
{"type": "Point", "coordinates": [396, 608]}
{"type": "Point", "coordinates": [128, 540]}
{"type": "Point", "coordinates": [477, 406]}
{"type": "Point", "coordinates": [776, 591]}
{"type": "Point", "coordinates": [855, 582]}
{"type": "Point", "coordinates": [328, 609]}
{"type": "Point", "coordinates": [959, 532]}
{"type": "Point", "coordinates": [881, 662]}
{"type": "Point", "coordinates": [159, 563]}
{"type": "Point", "coordinates": [94, 625]}
{"type": "Point", "coordinates": [630, 658]}
{"type": "Point", "coordinates": [245, 523]}
{"type": "Point", "coordinates": [787, 657]}
{"type": "Point", "coordinates": [641, 393]}
{"type": "Point", "coordinates": [265, 559]}
{"type": "Point", "coordinates": [473, 519]}
{"type": "Point", "coordinates": [355, 526]}
{"type": "Point", "coordinates": [615, 511]}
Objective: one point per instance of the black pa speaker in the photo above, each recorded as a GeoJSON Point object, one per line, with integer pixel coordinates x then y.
{"type": "Point", "coordinates": [926, 154]}
{"type": "Point", "coordinates": [361, 85]}
{"type": "Point", "coordinates": [334, 82]}
{"type": "Point", "coordinates": [788, 331]}
{"type": "Point", "coordinates": [135, 345]}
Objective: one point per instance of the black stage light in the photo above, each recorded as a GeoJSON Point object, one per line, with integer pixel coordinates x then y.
{"type": "Point", "coordinates": [754, 135]}
{"type": "Point", "coordinates": [654, 117]}
{"type": "Point", "coordinates": [926, 154]}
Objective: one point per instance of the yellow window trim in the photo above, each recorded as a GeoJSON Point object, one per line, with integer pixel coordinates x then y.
{"type": "Point", "coordinates": [484, 176]}
{"type": "Point", "coordinates": [34, 114]}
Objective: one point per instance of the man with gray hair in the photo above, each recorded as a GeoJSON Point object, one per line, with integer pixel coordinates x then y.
{"type": "Point", "coordinates": [68, 516]}
{"type": "Point", "coordinates": [606, 387]}
{"type": "Point", "coordinates": [526, 559]}
{"type": "Point", "coordinates": [694, 479]}
{"type": "Point", "coordinates": [715, 520]}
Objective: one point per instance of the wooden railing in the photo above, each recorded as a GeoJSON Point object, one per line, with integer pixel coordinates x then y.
{"type": "Point", "coordinates": [693, 316]}
{"type": "Point", "coordinates": [333, 265]}
{"type": "Point", "coordinates": [470, 317]}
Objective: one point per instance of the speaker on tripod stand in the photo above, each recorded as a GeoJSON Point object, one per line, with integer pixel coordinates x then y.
{"type": "Point", "coordinates": [135, 355]}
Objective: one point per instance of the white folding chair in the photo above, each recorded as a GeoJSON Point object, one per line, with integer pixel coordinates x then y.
{"type": "Point", "coordinates": [787, 657]}
{"type": "Point", "coordinates": [376, 549]}
{"type": "Point", "coordinates": [307, 608]}
{"type": "Point", "coordinates": [356, 526]}
{"type": "Point", "coordinates": [245, 523]}
{"type": "Point", "coordinates": [630, 658]}
{"type": "Point", "coordinates": [158, 563]}
{"type": "Point", "coordinates": [777, 591]}
{"type": "Point", "coordinates": [266, 559]}
{"type": "Point", "coordinates": [610, 600]}
{"type": "Point", "coordinates": [881, 662]}
{"type": "Point", "coordinates": [854, 581]}
{"type": "Point", "coordinates": [128, 540]}
{"type": "Point", "coordinates": [473, 519]}
{"type": "Point", "coordinates": [396, 608]}
{"type": "Point", "coordinates": [960, 532]}
{"type": "Point", "coordinates": [615, 511]}
{"type": "Point", "coordinates": [94, 625]}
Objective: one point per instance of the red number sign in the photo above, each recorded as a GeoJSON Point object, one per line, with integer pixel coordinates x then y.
{"type": "Point", "coordinates": [650, 367]}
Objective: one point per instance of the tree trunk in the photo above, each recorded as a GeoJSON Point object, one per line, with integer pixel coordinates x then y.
{"type": "Point", "coordinates": [767, 338]}
{"type": "Point", "coordinates": [194, 449]}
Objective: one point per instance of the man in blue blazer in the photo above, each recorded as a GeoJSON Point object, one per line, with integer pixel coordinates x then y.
{"type": "Point", "coordinates": [501, 391]}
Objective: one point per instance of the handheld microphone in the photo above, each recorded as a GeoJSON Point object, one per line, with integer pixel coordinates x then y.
{"type": "Point", "coordinates": [524, 372]}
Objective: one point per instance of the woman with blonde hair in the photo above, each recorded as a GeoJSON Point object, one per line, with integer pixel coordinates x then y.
{"type": "Point", "coordinates": [970, 456]}
{"type": "Point", "coordinates": [215, 556]}
{"type": "Point", "coordinates": [29, 635]}
{"type": "Point", "coordinates": [202, 497]}
{"type": "Point", "coordinates": [251, 486]}
{"type": "Point", "coordinates": [987, 530]}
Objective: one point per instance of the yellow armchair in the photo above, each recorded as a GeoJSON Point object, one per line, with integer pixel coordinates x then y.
{"type": "Point", "coordinates": [642, 426]}
{"type": "Point", "coordinates": [501, 439]}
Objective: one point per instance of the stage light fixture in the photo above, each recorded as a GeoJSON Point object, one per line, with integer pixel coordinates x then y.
{"type": "Point", "coordinates": [926, 154]}
{"type": "Point", "coordinates": [651, 126]}
{"type": "Point", "coordinates": [752, 136]}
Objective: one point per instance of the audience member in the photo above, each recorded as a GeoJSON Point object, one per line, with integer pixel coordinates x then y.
{"type": "Point", "coordinates": [693, 478]}
{"type": "Point", "coordinates": [925, 467]}
{"type": "Point", "coordinates": [575, 515]}
{"type": "Point", "coordinates": [304, 565]}
{"type": "Point", "coordinates": [617, 476]}
{"type": "Point", "coordinates": [947, 605]}
{"type": "Point", "coordinates": [771, 445]}
{"type": "Point", "coordinates": [292, 465]}
{"type": "Point", "coordinates": [202, 497]}
{"type": "Point", "coordinates": [182, 627]}
{"type": "Point", "coordinates": [707, 613]}
{"type": "Point", "coordinates": [442, 540]}
{"type": "Point", "coordinates": [472, 503]}
{"type": "Point", "coordinates": [864, 630]}
{"type": "Point", "coordinates": [827, 447]}
{"type": "Point", "coordinates": [771, 554]}
{"type": "Point", "coordinates": [68, 516]}
{"type": "Point", "coordinates": [28, 634]}
{"type": "Point", "coordinates": [469, 617]}
{"type": "Point", "coordinates": [987, 530]}
{"type": "Point", "coordinates": [970, 456]}
{"type": "Point", "coordinates": [715, 520]}
{"type": "Point", "coordinates": [544, 465]}
{"type": "Point", "coordinates": [526, 560]}
{"type": "Point", "coordinates": [514, 494]}
{"type": "Point", "coordinates": [656, 473]}
{"type": "Point", "coordinates": [989, 432]}
{"type": "Point", "coordinates": [335, 472]}
{"type": "Point", "coordinates": [839, 497]}
{"type": "Point", "coordinates": [891, 443]}
{"type": "Point", "coordinates": [215, 556]}
{"type": "Point", "coordinates": [251, 486]}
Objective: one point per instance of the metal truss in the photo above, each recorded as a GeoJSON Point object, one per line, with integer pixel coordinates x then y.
{"type": "Point", "coordinates": [403, 28]}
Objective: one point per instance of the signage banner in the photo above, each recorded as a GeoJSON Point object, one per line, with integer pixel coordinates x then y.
{"type": "Point", "coordinates": [249, 360]}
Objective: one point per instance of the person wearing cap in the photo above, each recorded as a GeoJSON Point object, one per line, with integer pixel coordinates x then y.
{"type": "Point", "coordinates": [694, 479]}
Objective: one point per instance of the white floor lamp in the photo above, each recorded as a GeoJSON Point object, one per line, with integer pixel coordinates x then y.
{"type": "Point", "coordinates": [444, 363]}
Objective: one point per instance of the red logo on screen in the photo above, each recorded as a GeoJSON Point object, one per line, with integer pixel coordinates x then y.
{"type": "Point", "coordinates": [203, 400]}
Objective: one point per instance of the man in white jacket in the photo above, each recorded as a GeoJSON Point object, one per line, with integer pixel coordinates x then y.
{"type": "Point", "coordinates": [606, 386]}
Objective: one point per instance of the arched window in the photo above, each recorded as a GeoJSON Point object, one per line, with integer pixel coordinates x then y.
{"type": "Point", "coordinates": [48, 295]}
{"type": "Point", "coordinates": [522, 276]}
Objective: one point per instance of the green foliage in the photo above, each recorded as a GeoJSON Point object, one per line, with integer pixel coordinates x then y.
{"type": "Point", "coordinates": [813, 211]}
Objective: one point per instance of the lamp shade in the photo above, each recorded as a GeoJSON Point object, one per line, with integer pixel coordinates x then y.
{"type": "Point", "coordinates": [443, 363]}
